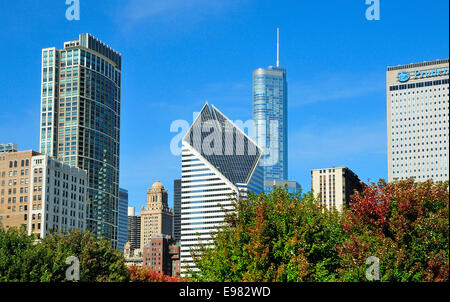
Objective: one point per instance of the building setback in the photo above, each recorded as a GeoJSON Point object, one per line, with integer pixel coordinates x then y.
{"type": "Point", "coordinates": [417, 121]}
{"type": "Point", "coordinates": [134, 229]}
{"type": "Point", "coordinates": [292, 186]}
{"type": "Point", "coordinates": [210, 180]}
{"type": "Point", "coordinates": [80, 122]}
{"type": "Point", "coordinates": [334, 186]}
{"type": "Point", "coordinates": [41, 193]}
{"type": "Point", "coordinates": [156, 217]}
{"type": "Point", "coordinates": [123, 219]}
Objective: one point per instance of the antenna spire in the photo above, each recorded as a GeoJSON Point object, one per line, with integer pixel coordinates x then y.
{"type": "Point", "coordinates": [278, 47]}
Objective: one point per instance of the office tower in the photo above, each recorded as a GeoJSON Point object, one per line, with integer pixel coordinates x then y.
{"type": "Point", "coordinates": [292, 186]}
{"type": "Point", "coordinates": [41, 193]}
{"type": "Point", "coordinates": [156, 217]}
{"type": "Point", "coordinates": [162, 255]}
{"type": "Point", "coordinates": [270, 119]}
{"type": "Point", "coordinates": [80, 121]}
{"type": "Point", "coordinates": [10, 147]}
{"type": "Point", "coordinates": [177, 209]}
{"type": "Point", "coordinates": [218, 164]}
{"type": "Point", "coordinates": [123, 219]}
{"type": "Point", "coordinates": [134, 229]}
{"type": "Point", "coordinates": [417, 121]}
{"type": "Point", "coordinates": [334, 186]}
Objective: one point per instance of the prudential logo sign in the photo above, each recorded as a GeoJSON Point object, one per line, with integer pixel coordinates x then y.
{"type": "Point", "coordinates": [403, 76]}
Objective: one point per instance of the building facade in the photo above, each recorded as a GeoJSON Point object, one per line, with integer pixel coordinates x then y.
{"type": "Point", "coordinates": [292, 186]}
{"type": "Point", "coordinates": [162, 255]}
{"type": "Point", "coordinates": [41, 193]}
{"type": "Point", "coordinates": [333, 187]}
{"type": "Point", "coordinates": [122, 232]}
{"type": "Point", "coordinates": [177, 209]}
{"type": "Point", "coordinates": [212, 178]}
{"type": "Point", "coordinates": [156, 217]}
{"type": "Point", "coordinates": [417, 121]}
{"type": "Point", "coordinates": [134, 229]}
{"type": "Point", "coordinates": [270, 114]}
{"type": "Point", "coordinates": [80, 122]}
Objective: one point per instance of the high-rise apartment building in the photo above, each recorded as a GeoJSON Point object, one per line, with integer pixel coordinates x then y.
{"type": "Point", "coordinates": [292, 186]}
{"type": "Point", "coordinates": [156, 217]}
{"type": "Point", "coordinates": [270, 113]}
{"type": "Point", "coordinates": [122, 230]}
{"type": "Point", "coordinates": [417, 121]}
{"type": "Point", "coordinates": [177, 209]}
{"type": "Point", "coordinates": [80, 121]}
{"type": "Point", "coordinates": [334, 186]}
{"type": "Point", "coordinates": [41, 193]}
{"type": "Point", "coordinates": [218, 164]}
{"type": "Point", "coordinates": [134, 229]}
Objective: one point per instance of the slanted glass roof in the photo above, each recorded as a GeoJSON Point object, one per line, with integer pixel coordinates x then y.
{"type": "Point", "coordinates": [223, 145]}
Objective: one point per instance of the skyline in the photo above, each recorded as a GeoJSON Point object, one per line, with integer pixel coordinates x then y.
{"type": "Point", "coordinates": [323, 84]}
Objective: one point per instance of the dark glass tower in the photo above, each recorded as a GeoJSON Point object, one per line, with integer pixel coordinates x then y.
{"type": "Point", "coordinates": [80, 121]}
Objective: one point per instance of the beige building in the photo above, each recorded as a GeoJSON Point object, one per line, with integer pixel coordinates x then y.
{"type": "Point", "coordinates": [156, 217]}
{"type": "Point", "coordinates": [417, 121]}
{"type": "Point", "coordinates": [41, 193]}
{"type": "Point", "coordinates": [334, 186]}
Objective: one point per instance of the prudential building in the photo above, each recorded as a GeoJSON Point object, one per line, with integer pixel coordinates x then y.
{"type": "Point", "coordinates": [417, 121]}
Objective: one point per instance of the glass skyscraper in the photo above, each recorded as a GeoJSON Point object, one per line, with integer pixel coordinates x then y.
{"type": "Point", "coordinates": [270, 118]}
{"type": "Point", "coordinates": [80, 121]}
{"type": "Point", "coordinates": [122, 225]}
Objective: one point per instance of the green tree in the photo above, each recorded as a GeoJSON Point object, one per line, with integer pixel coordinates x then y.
{"type": "Point", "coordinates": [274, 237]}
{"type": "Point", "coordinates": [23, 258]}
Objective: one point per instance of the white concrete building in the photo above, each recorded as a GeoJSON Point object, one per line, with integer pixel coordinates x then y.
{"type": "Point", "coordinates": [211, 177]}
{"type": "Point", "coordinates": [417, 121]}
{"type": "Point", "coordinates": [57, 200]}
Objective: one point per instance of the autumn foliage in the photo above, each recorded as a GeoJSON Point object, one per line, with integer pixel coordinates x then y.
{"type": "Point", "coordinates": [285, 237]}
{"type": "Point", "coordinates": [144, 274]}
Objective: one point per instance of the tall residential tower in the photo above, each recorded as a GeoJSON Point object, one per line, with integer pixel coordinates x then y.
{"type": "Point", "coordinates": [270, 118]}
{"type": "Point", "coordinates": [80, 122]}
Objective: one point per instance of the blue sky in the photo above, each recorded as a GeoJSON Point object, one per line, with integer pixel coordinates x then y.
{"type": "Point", "coordinates": [177, 54]}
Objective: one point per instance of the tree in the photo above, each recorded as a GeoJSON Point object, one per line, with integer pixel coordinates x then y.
{"type": "Point", "coordinates": [405, 224]}
{"type": "Point", "coordinates": [22, 258]}
{"type": "Point", "coordinates": [274, 237]}
{"type": "Point", "coordinates": [144, 274]}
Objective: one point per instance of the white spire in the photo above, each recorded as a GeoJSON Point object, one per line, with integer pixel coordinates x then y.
{"type": "Point", "coordinates": [278, 47]}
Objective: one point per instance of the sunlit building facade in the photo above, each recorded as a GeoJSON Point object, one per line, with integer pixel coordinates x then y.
{"type": "Point", "coordinates": [80, 122]}
{"type": "Point", "coordinates": [219, 163]}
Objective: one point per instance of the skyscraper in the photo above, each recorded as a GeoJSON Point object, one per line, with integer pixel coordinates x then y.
{"type": "Point", "coordinates": [80, 121]}
{"type": "Point", "coordinates": [270, 118]}
{"type": "Point", "coordinates": [122, 226]}
{"type": "Point", "coordinates": [177, 209]}
{"type": "Point", "coordinates": [219, 161]}
{"type": "Point", "coordinates": [156, 217]}
{"type": "Point", "coordinates": [417, 121]}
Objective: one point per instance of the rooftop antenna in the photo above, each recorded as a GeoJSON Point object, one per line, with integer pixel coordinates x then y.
{"type": "Point", "coordinates": [278, 47]}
